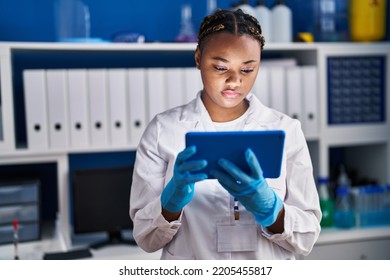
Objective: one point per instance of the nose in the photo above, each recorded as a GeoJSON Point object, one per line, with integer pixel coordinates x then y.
{"type": "Point", "coordinates": [234, 79]}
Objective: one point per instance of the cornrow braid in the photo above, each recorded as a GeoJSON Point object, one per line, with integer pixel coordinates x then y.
{"type": "Point", "coordinates": [209, 30]}
{"type": "Point", "coordinates": [235, 22]}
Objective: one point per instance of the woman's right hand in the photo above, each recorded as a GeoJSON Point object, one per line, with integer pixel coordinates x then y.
{"type": "Point", "coordinates": [180, 189]}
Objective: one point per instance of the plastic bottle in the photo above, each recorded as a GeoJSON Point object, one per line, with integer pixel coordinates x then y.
{"type": "Point", "coordinates": [246, 8]}
{"type": "Point", "coordinates": [281, 23]}
{"type": "Point", "coordinates": [387, 204]}
{"type": "Point", "coordinates": [344, 213]}
{"type": "Point", "coordinates": [326, 203]}
{"type": "Point", "coordinates": [187, 33]}
{"type": "Point", "coordinates": [367, 20]}
{"type": "Point", "coordinates": [326, 21]}
{"type": "Point", "coordinates": [73, 22]}
{"type": "Point", "coordinates": [263, 15]}
{"type": "Point", "coordinates": [343, 180]}
{"type": "Point", "coordinates": [376, 205]}
{"type": "Point", "coordinates": [211, 6]}
{"type": "Point", "coordinates": [359, 205]}
{"type": "Point", "coordinates": [332, 20]}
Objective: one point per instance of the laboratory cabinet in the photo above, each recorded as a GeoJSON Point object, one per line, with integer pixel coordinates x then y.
{"type": "Point", "coordinates": [371, 243]}
{"type": "Point", "coordinates": [352, 250]}
{"type": "Point", "coordinates": [19, 201]}
{"type": "Point", "coordinates": [339, 92]}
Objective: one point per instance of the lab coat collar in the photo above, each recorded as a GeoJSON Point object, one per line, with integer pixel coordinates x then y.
{"type": "Point", "coordinates": [196, 112]}
{"type": "Point", "coordinates": [259, 115]}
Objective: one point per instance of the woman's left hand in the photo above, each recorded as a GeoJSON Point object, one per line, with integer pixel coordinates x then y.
{"type": "Point", "coordinates": [251, 190]}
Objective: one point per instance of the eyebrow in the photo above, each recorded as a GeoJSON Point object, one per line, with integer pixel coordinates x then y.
{"type": "Point", "coordinates": [218, 58]}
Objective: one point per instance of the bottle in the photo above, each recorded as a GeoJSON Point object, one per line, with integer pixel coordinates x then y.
{"type": "Point", "coordinates": [344, 214]}
{"type": "Point", "coordinates": [367, 20]}
{"type": "Point", "coordinates": [387, 204]}
{"type": "Point", "coordinates": [281, 23]}
{"type": "Point", "coordinates": [72, 18]}
{"type": "Point", "coordinates": [246, 8]}
{"type": "Point", "coordinates": [343, 180]}
{"type": "Point", "coordinates": [326, 21]}
{"type": "Point", "coordinates": [211, 6]}
{"type": "Point", "coordinates": [263, 15]}
{"type": "Point", "coordinates": [332, 20]}
{"type": "Point", "coordinates": [187, 33]}
{"type": "Point", "coordinates": [326, 203]}
{"type": "Point", "coordinates": [359, 201]}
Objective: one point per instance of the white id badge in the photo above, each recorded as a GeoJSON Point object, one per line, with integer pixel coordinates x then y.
{"type": "Point", "coordinates": [236, 238]}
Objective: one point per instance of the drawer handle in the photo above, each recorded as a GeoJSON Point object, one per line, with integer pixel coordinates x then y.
{"type": "Point", "coordinates": [11, 209]}
{"type": "Point", "coordinates": [6, 229]}
{"type": "Point", "coordinates": [10, 191]}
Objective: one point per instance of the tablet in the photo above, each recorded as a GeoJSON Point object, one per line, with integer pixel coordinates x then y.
{"type": "Point", "coordinates": [231, 145]}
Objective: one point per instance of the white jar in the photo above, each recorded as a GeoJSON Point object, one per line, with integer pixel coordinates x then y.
{"type": "Point", "coordinates": [281, 23]}
{"type": "Point", "coordinates": [246, 8]}
{"type": "Point", "coordinates": [263, 15]}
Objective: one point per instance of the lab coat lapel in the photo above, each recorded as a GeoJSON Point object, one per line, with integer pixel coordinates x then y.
{"type": "Point", "coordinates": [260, 116]}
{"type": "Point", "coordinates": [196, 116]}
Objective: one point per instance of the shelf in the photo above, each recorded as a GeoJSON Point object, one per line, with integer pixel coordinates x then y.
{"type": "Point", "coordinates": [140, 46]}
{"type": "Point", "coordinates": [106, 46]}
{"type": "Point", "coordinates": [367, 146]}
{"type": "Point", "coordinates": [356, 134]}
{"type": "Point", "coordinates": [335, 235]}
{"type": "Point", "coordinates": [25, 153]}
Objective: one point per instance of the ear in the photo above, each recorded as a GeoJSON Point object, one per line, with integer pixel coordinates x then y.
{"type": "Point", "coordinates": [197, 57]}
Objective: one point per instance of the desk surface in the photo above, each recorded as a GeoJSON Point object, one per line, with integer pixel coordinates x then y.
{"type": "Point", "coordinates": [35, 250]}
{"type": "Point", "coordinates": [50, 243]}
{"type": "Point", "coordinates": [335, 235]}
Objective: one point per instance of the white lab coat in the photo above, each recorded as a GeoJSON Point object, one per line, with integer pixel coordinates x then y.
{"type": "Point", "coordinates": [196, 234]}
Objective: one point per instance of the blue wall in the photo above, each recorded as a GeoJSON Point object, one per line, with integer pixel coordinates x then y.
{"type": "Point", "coordinates": [34, 20]}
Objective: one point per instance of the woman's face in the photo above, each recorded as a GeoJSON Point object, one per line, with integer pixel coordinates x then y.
{"type": "Point", "coordinates": [229, 65]}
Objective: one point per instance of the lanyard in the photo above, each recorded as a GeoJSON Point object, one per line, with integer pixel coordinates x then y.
{"type": "Point", "coordinates": [236, 211]}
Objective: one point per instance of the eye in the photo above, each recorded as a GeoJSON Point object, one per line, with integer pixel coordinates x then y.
{"type": "Point", "coordinates": [247, 70]}
{"type": "Point", "coordinates": [220, 68]}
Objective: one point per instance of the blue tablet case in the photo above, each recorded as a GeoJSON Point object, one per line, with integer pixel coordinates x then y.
{"type": "Point", "coordinates": [231, 145]}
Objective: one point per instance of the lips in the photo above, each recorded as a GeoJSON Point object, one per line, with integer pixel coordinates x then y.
{"type": "Point", "coordinates": [230, 93]}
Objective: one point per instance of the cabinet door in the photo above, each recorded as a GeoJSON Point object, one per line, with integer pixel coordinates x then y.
{"type": "Point", "coordinates": [367, 249]}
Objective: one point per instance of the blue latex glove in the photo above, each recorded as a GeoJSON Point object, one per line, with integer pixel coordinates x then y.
{"type": "Point", "coordinates": [180, 189]}
{"type": "Point", "coordinates": [251, 190]}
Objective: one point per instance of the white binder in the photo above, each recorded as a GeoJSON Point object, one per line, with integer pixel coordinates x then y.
{"type": "Point", "coordinates": [117, 100]}
{"type": "Point", "coordinates": [278, 88]}
{"type": "Point", "coordinates": [156, 96]}
{"type": "Point", "coordinates": [278, 62]}
{"type": "Point", "coordinates": [1, 124]}
{"type": "Point", "coordinates": [294, 92]}
{"type": "Point", "coordinates": [98, 107]}
{"type": "Point", "coordinates": [136, 104]}
{"type": "Point", "coordinates": [261, 86]}
{"type": "Point", "coordinates": [174, 87]}
{"type": "Point", "coordinates": [192, 83]}
{"type": "Point", "coordinates": [57, 108]}
{"type": "Point", "coordinates": [78, 108]}
{"type": "Point", "coordinates": [310, 97]}
{"type": "Point", "coordinates": [36, 109]}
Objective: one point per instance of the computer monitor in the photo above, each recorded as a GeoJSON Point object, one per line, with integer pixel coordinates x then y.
{"type": "Point", "coordinates": [101, 203]}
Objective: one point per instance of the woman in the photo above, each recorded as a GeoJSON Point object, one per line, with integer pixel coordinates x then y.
{"type": "Point", "coordinates": [175, 207]}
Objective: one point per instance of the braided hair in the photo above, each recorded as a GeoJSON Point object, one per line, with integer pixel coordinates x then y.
{"type": "Point", "coordinates": [235, 22]}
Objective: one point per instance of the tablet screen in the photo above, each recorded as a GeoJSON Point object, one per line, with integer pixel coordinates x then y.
{"type": "Point", "coordinates": [231, 145]}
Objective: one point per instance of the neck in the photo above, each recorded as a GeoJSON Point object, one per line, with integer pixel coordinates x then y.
{"type": "Point", "coordinates": [218, 114]}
